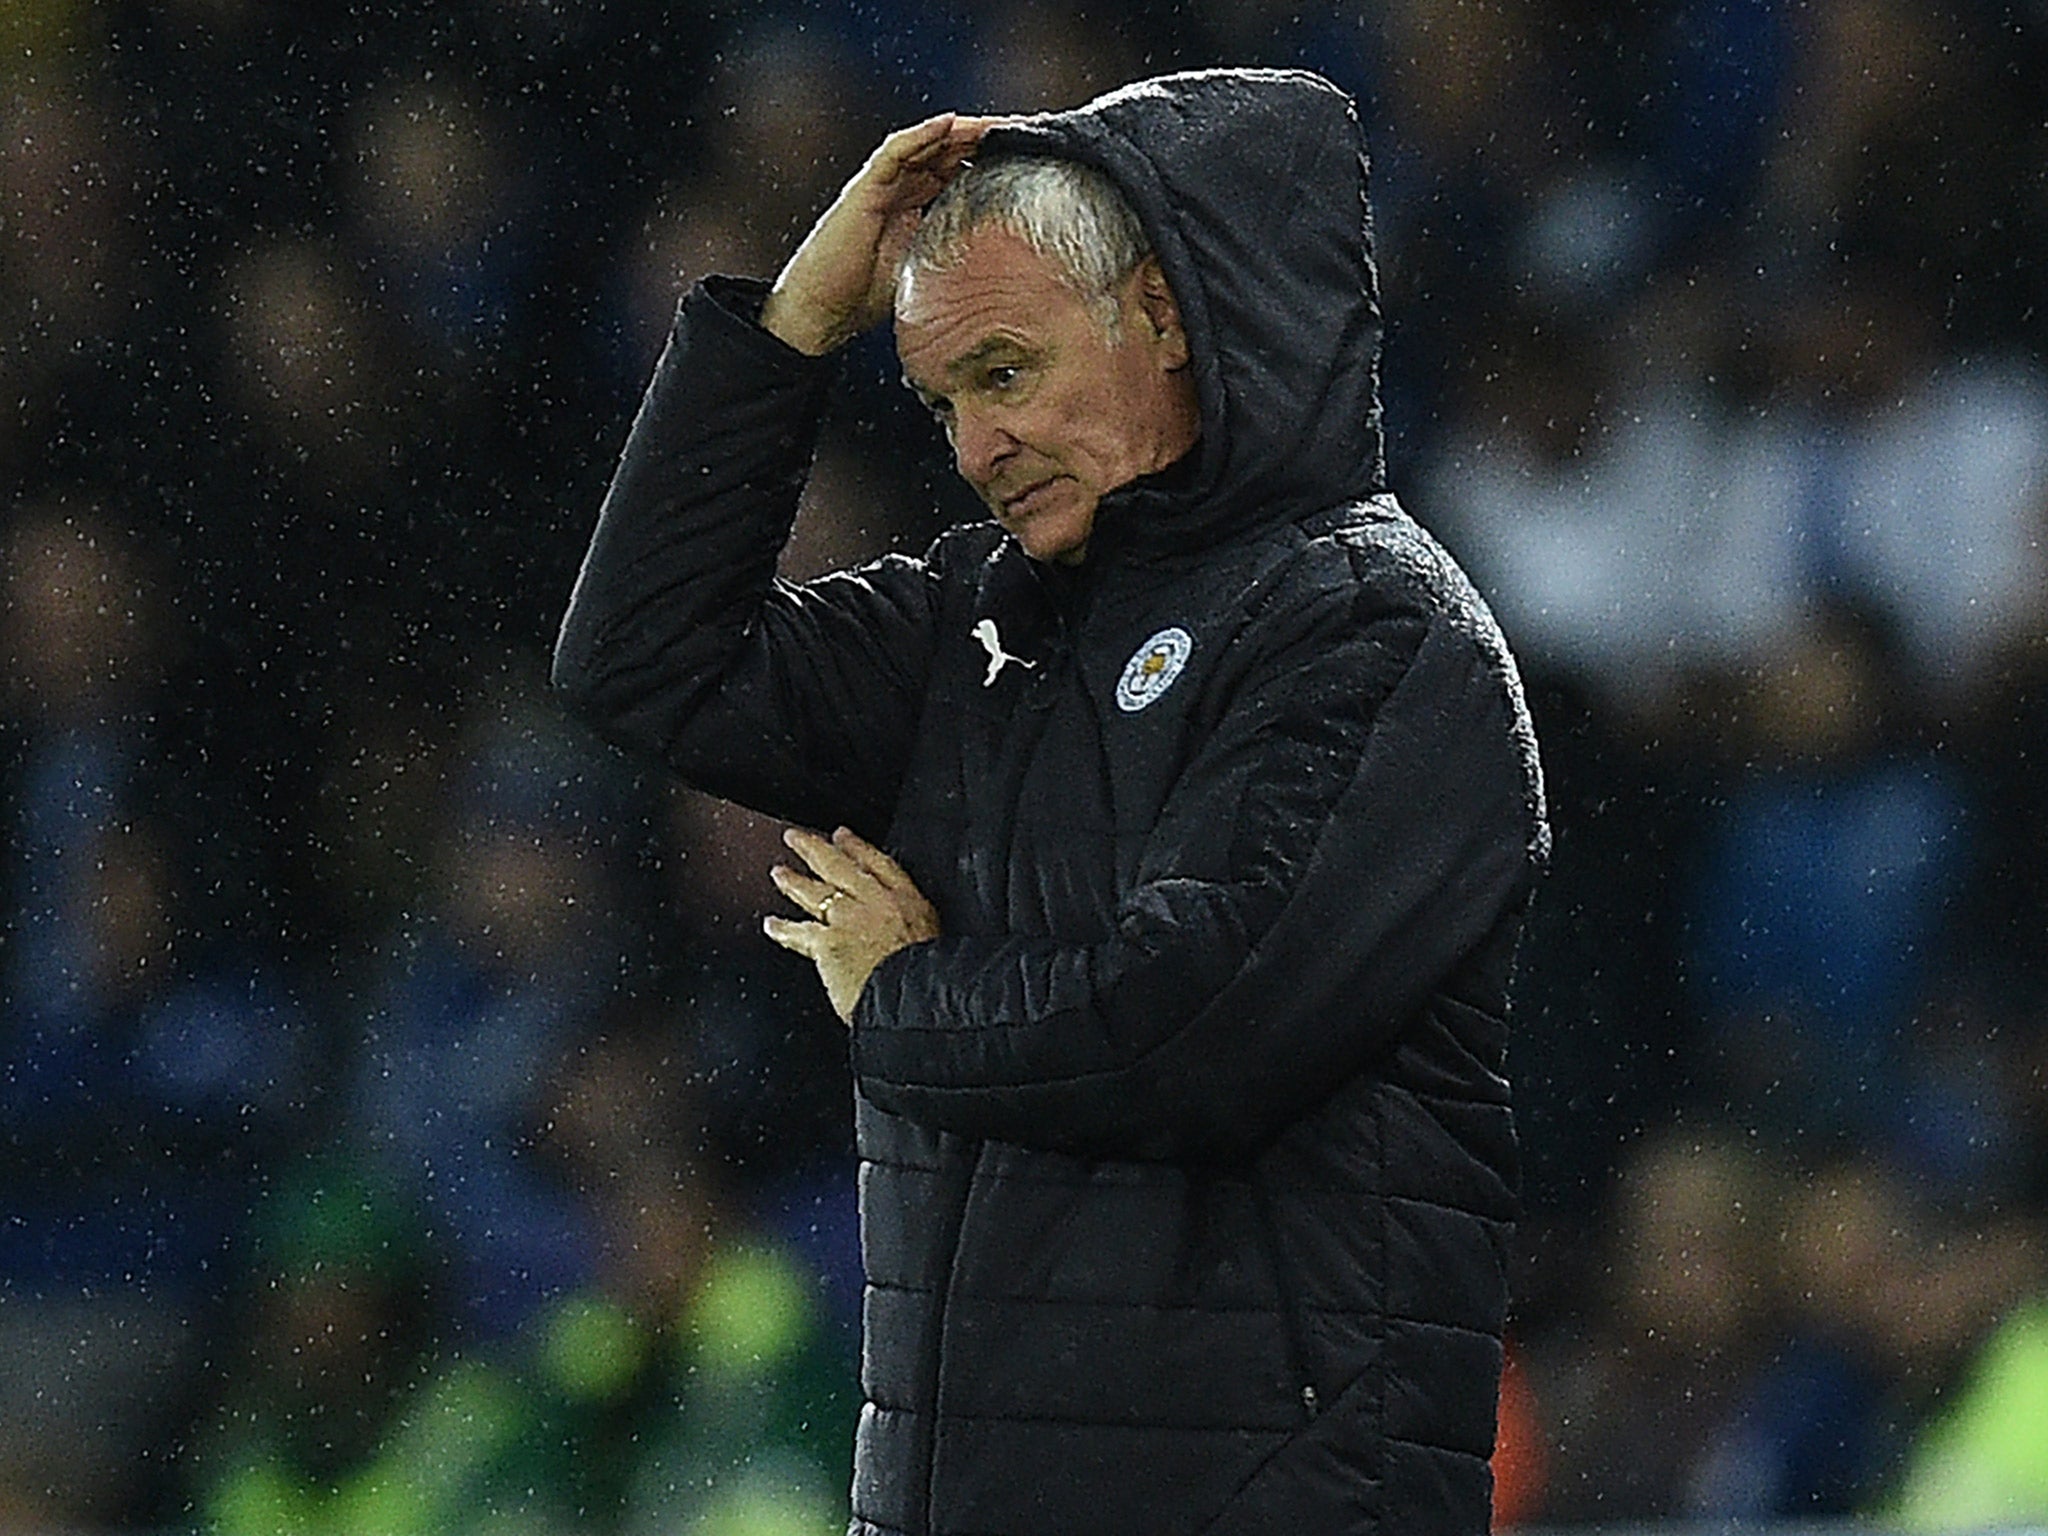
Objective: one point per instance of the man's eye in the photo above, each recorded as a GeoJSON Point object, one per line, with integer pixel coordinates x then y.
{"type": "Point", "coordinates": [1003, 376]}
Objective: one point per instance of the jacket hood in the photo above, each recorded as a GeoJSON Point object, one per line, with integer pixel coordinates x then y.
{"type": "Point", "coordinates": [1252, 186]}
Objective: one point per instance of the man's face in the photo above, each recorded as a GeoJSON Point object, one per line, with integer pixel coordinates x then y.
{"type": "Point", "coordinates": [1046, 411]}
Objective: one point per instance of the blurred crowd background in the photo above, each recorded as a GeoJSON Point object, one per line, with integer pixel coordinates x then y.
{"type": "Point", "coordinates": [403, 1126]}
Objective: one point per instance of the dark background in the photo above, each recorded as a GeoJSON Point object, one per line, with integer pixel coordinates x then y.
{"type": "Point", "coordinates": [1715, 347]}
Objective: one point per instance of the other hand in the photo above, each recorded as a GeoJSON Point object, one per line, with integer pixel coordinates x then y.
{"type": "Point", "coordinates": [842, 279]}
{"type": "Point", "coordinates": [862, 908]}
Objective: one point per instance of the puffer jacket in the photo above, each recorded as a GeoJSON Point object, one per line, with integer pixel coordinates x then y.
{"type": "Point", "coordinates": [1187, 1154]}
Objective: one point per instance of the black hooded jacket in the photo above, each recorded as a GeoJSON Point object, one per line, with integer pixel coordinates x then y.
{"type": "Point", "coordinates": [1187, 1154]}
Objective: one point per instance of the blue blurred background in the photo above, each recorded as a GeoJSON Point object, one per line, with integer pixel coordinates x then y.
{"type": "Point", "coordinates": [403, 1127]}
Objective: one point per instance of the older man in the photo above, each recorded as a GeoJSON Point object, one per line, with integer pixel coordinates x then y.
{"type": "Point", "coordinates": [1210, 803]}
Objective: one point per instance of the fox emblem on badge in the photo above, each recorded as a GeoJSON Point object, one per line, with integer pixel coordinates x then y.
{"type": "Point", "coordinates": [985, 631]}
{"type": "Point", "coordinates": [1152, 668]}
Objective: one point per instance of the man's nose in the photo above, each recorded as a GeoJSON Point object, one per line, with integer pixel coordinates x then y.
{"type": "Point", "coordinates": [980, 445]}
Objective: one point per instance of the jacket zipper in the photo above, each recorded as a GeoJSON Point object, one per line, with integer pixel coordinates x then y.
{"type": "Point", "coordinates": [1290, 1306]}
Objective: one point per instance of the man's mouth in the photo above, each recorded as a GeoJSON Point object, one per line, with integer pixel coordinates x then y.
{"type": "Point", "coordinates": [1021, 503]}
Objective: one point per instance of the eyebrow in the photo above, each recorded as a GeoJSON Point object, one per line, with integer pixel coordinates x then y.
{"type": "Point", "coordinates": [967, 361]}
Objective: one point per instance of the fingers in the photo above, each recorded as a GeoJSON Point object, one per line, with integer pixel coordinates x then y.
{"type": "Point", "coordinates": [946, 133]}
{"type": "Point", "coordinates": [828, 862]}
{"type": "Point", "coordinates": [931, 150]}
{"type": "Point", "coordinates": [927, 137]}
{"type": "Point", "coordinates": [846, 861]}
{"type": "Point", "coordinates": [911, 149]}
{"type": "Point", "coordinates": [885, 871]}
{"type": "Point", "coordinates": [883, 910]}
{"type": "Point", "coordinates": [811, 894]}
{"type": "Point", "coordinates": [799, 937]}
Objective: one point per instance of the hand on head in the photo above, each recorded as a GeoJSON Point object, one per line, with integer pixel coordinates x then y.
{"type": "Point", "coordinates": [842, 279]}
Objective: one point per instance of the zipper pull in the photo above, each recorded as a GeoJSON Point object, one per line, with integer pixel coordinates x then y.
{"type": "Point", "coordinates": [1310, 1401]}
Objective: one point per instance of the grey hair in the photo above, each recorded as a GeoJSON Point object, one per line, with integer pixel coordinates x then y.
{"type": "Point", "coordinates": [1071, 214]}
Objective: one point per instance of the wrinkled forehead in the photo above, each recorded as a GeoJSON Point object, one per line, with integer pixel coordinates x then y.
{"type": "Point", "coordinates": [999, 291]}
{"type": "Point", "coordinates": [913, 295]}
{"type": "Point", "coordinates": [989, 265]}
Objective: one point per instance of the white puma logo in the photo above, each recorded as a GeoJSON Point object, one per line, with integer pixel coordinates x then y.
{"type": "Point", "coordinates": [985, 631]}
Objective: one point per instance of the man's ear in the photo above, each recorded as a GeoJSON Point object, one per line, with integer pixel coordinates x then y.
{"type": "Point", "coordinates": [1160, 314]}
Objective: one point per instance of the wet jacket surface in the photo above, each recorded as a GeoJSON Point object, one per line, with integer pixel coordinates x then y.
{"type": "Point", "coordinates": [1187, 1157]}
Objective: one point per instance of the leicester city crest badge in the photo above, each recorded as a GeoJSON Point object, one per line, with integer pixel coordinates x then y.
{"type": "Point", "coordinates": [1152, 668]}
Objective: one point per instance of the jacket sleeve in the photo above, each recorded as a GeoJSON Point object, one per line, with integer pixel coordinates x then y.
{"type": "Point", "coordinates": [680, 641]}
{"type": "Point", "coordinates": [1359, 823]}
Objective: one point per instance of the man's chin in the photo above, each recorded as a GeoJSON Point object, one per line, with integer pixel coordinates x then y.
{"type": "Point", "coordinates": [1054, 536]}
{"type": "Point", "coordinates": [1049, 548]}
